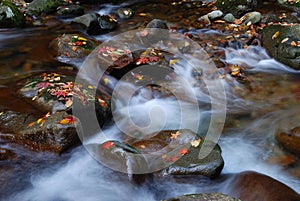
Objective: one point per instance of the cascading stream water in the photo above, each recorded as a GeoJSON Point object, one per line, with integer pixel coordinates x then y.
{"type": "Point", "coordinates": [243, 149]}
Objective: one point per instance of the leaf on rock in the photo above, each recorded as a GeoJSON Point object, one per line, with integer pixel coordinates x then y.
{"type": "Point", "coordinates": [108, 145]}
{"type": "Point", "coordinates": [183, 151]}
{"type": "Point", "coordinates": [175, 135]}
{"type": "Point", "coordinates": [276, 34]}
{"type": "Point", "coordinates": [196, 143]}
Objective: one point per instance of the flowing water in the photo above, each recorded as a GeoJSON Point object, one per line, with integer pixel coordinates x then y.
{"type": "Point", "coordinates": [247, 141]}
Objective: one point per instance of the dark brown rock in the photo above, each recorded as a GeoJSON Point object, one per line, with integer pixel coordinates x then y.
{"type": "Point", "coordinates": [253, 186]}
{"type": "Point", "coordinates": [203, 197]}
{"type": "Point", "coordinates": [290, 141]}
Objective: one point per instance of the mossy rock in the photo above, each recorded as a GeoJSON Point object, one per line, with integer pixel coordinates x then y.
{"type": "Point", "coordinates": [37, 7]}
{"type": "Point", "coordinates": [10, 15]}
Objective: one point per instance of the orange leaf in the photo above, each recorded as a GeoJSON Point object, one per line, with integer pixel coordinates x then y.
{"type": "Point", "coordinates": [64, 121]}
{"type": "Point", "coordinates": [31, 124]}
{"type": "Point", "coordinates": [175, 135]}
{"type": "Point", "coordinates": [183, 151]}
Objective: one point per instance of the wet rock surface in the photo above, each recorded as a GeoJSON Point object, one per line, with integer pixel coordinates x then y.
{"type": "Point", "coordinates": [48, 133]}
{"type": "Point", "coordinates": [96, 24]}
{"type": "Point", "coordinates": [10, 15]}
{"type": "Point", "coordinates": [236, 7]}
{"type": "Point", "coordinates": [179, 151]}
{"type": "Point", "coordinates": [254, 186]}
{"type": "Point", "coordinates": [290, 140]}
{"type": "Point", "coordinates": [282, 43]}
{"type": "Point", "coordinates": [203, 197]}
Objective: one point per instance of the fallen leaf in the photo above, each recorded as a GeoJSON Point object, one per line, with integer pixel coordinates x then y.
{"type": "Point", "coordinates": [173, 61]}
{"type": "Point", "coordinates": [183, 151]}
{"type": "Point", "coordinates": [175, 135]}
{"type": "Point", "coordinates": [196, 143]}
{"type": "Point", "coordinates": [284, 40]}
{"type": "Point", "coordinates": [64, 121]}
{"type": "Point", "coordinates": [31, 124]}
{"type": "Point", "coordinates": [293, 43]}
{"type": "Point", "coordinates": [108, 145]}
{"type": "Point", "coordinates": [69, 103]}
{"type": "Point", "coordinates": [105, 80]}
{"type": "Point", "coordinates": [276, 34]}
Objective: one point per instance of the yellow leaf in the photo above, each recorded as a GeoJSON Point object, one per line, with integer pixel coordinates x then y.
{"type": "Point", "coordinates": [40, 120]}
{"type": "Point", "coordinates": [173, 61]}
{"type": "Point", "coordinates": [284, 40]}
{"type": "Point", "coordinates": [142, 14]}
{"type": "Point", "coordinates": [69, 103]}
{"type": "Point", "coordinates": [90, 87]}
{"type": "Point", "coordinates": [105, 80]}
{"type": "Point", "coordinates": [64, 121]}
{"type": "Point", "coordinates": [293, 43]}
{"type": "Point", "coordinates": [196, 143]}
{"type": "Point", "coordinates": [276, 34]}
{"type": "Point", "coordinates": [1, 113]}
{"type": "Point", "coordinates": [81, 38]}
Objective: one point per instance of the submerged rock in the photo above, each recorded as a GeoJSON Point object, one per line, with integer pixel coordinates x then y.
{"type": "Point", "coordinates": [253, 186]}
{"type": "Point", "coordinates": [236, 7]}
{"type": "Point", "coordinates": [53, 132]}
{"type": "Point", "coordinates": [203, 197]}
{"type": "Point", "coordinates": [96, 24]}
{"type": "Point", "coordinates": [282, 43]}
{"type": "Point", "coordinates": [10, 15]}
{"type": "Point", "coordinates": [290, 141]}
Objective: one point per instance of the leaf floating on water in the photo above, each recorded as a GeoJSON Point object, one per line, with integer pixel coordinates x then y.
{"type": "Point", "coordinates": [196, 143]}
{"type": "Point", "coordinates": [183, 151]}
{"type": "Point", "coordinates": [173, 61]}
{"type": "Point", "coordinates": [175, 135]}
{"type": "Point", "coordinates": [276, 34]}
{"type": "Point", "coordinates": [105, 80]}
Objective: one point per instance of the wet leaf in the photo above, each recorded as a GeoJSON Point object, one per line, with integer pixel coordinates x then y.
{"type": "Point", "coordinates": [69, 103]}
{"type": "Point", "coordinates": [284, 40]}
{"type": "Point", "coordinates": [108, 145]}
{"type": "Point", "coordinates": [175, 135]}
{"type": "Point", "coordinates": [276, 34]}
{"type": "Point", "coordinates": [196, 143]}
{"type": "Point", "coordinates": [293, 43]}
{"type": "Point", "coordinates": [31, 124]}
{"type": "Point", "coordinates": [183, 151]}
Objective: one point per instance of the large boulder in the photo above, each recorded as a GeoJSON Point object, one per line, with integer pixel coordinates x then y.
{"type": "Point", "coordinates": [37, 7]}
{"type": "Point", "coordinates": [282, 43]}
{"type": "Point", "coordinates": [253, 186]}
{"type": "Point", "coordinates": [236, 7]}
{"type": "Point", "coordinates": [203, 197]}
{"type": "Point", "coordinates": [58, 91]}
{"type": "Point", "coordinates": [96, 24]}
{"type": "Point", "coordinates": [290, 141]}
{"type": "Point", "coordinates": [176, 152]}
{"type": "Point", "coordinates": [10, 15]}
{"type": "Point", "coordinates": [52, 132]}
{"type": "Point", "coordinates": [70, 10]}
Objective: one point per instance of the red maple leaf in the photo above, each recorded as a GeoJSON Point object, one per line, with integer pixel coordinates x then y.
{"type": "Point", "coordinates": [60, 93]}
{"type": "Point", "coordinates": [78, 43]}
{"type": "Point", "coordinates": [108, 145]}
{"type": "Point", "coordinates": [183, 151]}
{"type": "Point", "coordinates": [71, 119]}
{"type": "Point", "coordinates": [153, 58]}
{"type": "Point", "coordinates": [142, 60]}
{"type": "Point", "coordinates": [42, 85]}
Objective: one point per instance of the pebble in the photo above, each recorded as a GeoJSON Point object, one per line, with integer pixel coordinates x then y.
{"type": "Point", "coordinates": [215, 14]}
